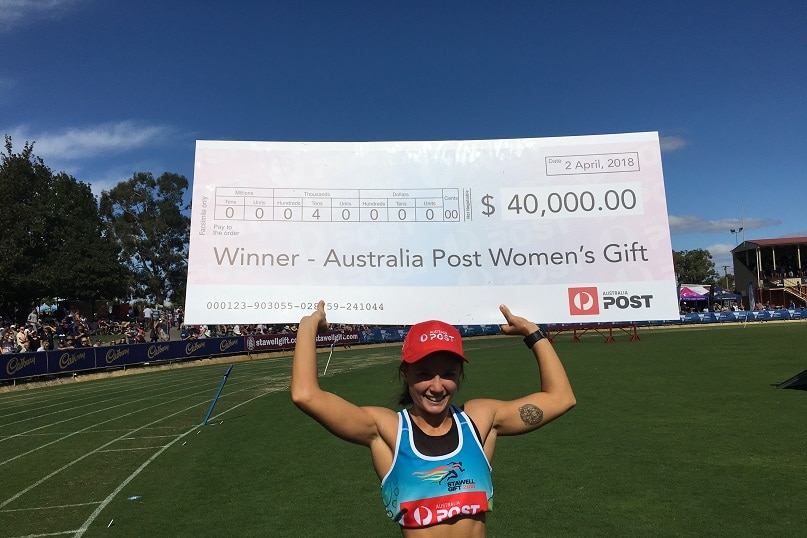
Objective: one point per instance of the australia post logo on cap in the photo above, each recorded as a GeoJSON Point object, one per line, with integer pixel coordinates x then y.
{"type": "Point", "coordinates": [436, 334]}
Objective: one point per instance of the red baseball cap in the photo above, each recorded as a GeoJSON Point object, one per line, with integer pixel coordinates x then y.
{"type": "Point", "coordinates": [428, 337]}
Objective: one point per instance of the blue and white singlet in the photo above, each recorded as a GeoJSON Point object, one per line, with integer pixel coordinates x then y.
{"type": "Point", "coordinates": [421, 490]}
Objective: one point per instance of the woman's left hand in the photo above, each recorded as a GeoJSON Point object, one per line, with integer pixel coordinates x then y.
{"type": "Point", "coordinates": [516, 325]}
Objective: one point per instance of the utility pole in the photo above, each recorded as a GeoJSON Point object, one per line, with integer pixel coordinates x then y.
{"type": "Point", "coordinates": [726, 273]}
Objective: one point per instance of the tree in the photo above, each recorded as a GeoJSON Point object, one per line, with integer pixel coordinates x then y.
{"type": "Point", "coordinates": [145, 218]}
{"type": "Point", "coordinates": [82, 259]}
{"type": "Point", "coordinates": [694, 267]}
{"type": "Point", "coordinates": [24, 184]}
{"type": "Point", "coordinates": [54, 243]}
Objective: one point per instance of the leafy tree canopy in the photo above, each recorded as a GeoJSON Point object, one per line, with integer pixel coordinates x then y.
{"type": "Point", "coordinates": [54, 242]}
{"type": "Point", "coordinates": [85, 258]}
{"type": "Point", "coordinates": [144, 216]}
{"type": "Point", "coordinates": [695, 267]}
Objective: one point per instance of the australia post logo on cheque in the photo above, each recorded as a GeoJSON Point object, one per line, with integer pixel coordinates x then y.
{"type": "Point", "coordinates": [589, 301]}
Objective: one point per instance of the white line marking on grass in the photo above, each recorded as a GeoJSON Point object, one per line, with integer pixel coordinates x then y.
{"type": "Point", "coordinates": [51, 434]}
{"type": "Point", "coordinates": [40, 400]}
{"type": "Point", "coordinates": [89, 428]}
{"type": "Point", "coordinates": [74, 417]}
{"type": "Point", "coordinates": [147, 437]}
{"type": "Point", "coordinates": [69, 399]}
{"type": "Point", "coordinates": [46, 534]}
{"type": "Point", "coordinates": [177, 427]}
{"type": "Point", "coordinates": [80, 458]}
{"type": "Point", "coordinates": [123, 484]}
{"type": "Point", "coordinates": [132, 476]}
{"type": "Point", "coordinates": [130, 449]}
{"type": "Point", "coordinates": [88, 454]}
{"type": "Point", "coordinates": [196, 428]}
{"type": "Point", "coordinates": [50, 507]}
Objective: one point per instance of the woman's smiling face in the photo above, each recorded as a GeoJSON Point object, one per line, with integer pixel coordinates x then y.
{"type": "Point", "coordinates": [434, 380]}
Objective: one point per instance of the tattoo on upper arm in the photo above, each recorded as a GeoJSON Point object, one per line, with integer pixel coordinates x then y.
{"type": "Point", "coordinates": [531, 414]}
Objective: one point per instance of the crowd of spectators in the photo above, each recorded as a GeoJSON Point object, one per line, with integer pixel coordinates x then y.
{"type": "Point", "coordinates": [688, 307]}
{"type": "Point", "coordinates": [776, 275]}
{"type": "Point", "coordinates": [188, 332]}
{"type": "Point", "coordinates": [70, 330]}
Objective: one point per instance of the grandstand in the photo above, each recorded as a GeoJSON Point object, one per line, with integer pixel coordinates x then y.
{"type": "Point", "coordinates": [771, 271]}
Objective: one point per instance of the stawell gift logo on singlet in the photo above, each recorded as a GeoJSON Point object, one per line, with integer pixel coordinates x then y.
{"type": "Point", "coordinates": [461, 497]}
{"type": "Point", "coordinates": [445, 474]}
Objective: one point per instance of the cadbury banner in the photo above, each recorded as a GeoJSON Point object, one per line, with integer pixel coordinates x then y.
{"type": "Point", "coordinates": [71, 360]}
{"type": "Point", "coordinates": [120, 355]}
{"type": "Point", "coordinates": [187, 349]}
{"type": "Point", "coordinates": [62, 361]}
{"type": "Point", "coordinates": [17, 365]}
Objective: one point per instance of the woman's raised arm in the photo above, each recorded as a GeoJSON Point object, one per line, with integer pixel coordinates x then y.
{"type": "Point", "coordinates": [342, 418]}
{"type": "Point", "coordinates": [554, 397]}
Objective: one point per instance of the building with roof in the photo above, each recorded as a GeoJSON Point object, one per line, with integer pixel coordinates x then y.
{"type": "Point", "coordinates": [771, 271]}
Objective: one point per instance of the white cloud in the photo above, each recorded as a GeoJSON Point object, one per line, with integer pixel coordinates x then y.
{"type": "Point", "coordinates": [672, 143]}
{"type": "Point", "coordinates": [100, 155]}
{"type": "Point", "coordinates": [86, 142]}
{"type": "Point", "coordinates": [721, 257]}
{"type": "Point", "coordinates": [695, 224]}
{"type": "Point", "coordinates": [15, 11]}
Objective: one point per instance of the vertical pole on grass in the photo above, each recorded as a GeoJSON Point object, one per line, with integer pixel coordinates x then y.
{"type": "Point", "coordinates": [212, 405]}
{"type": "Point", "coordinates": [329, 358]}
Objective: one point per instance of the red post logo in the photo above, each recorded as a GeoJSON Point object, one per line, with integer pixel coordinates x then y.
{"type": "Point", "coordinates": [583, 301]}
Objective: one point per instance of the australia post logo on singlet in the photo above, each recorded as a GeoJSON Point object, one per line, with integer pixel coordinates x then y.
{"type": "Point", "coordinates": [462, 497]}
{"type": "Point", "coordinates": [435, 510]}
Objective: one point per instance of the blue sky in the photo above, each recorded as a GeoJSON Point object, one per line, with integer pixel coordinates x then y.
{"type": "Point", "coordinates": [106, 89]}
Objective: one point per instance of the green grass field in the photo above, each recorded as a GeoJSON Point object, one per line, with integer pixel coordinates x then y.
{"type": "Point", "coordinates": [680, 434]}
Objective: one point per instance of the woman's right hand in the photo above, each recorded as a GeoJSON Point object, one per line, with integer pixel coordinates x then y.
{"type": "Point", "coordinates": [317, 318]}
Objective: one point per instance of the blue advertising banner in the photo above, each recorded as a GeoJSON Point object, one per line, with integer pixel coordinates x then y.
{"type": "Point", "coordinates": [377, 335]}
{"type": "Point", "coordinates": [197, 348]}
{"type": "Point", "coordinates": [161, 351]}
{"type": "Point", "coordinates": [121, 355]}
{"type": "Point", "coordinates": [16, 365]}
{"type": "Point", "coordinates": [61, 361]}
{"type": "Point", "coordinates": [28, 365]}
{"type": "Point", "coordinates": [71, 360]}
{"type": "Point", "coordinates": [209, 346]}
{"type": "Point", "coordinates": [393, 335]}
{"type": "Point", "coordinates": [228, 346]}
{"type": "Point", "coordinates": [478, 330]}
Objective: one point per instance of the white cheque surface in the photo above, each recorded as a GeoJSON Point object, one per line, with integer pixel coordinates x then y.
{"type": "Point", "coordinates": [562, 230]}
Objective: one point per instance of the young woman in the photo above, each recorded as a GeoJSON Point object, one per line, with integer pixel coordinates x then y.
{"type": "Point", "coordinates": [433, 458]}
